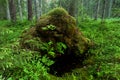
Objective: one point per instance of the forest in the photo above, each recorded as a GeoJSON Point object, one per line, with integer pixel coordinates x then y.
{"type": "Point", "coordinates": [59, 39]}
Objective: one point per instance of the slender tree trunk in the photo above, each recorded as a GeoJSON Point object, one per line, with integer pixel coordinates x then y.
{"type": "Point", "coordinates": [20, 10]}
{"type": "Point", "coordinates": [103, 11]}
{"type": "Point", "coordinates": [97, 9]}
{"type": "Point", "coordinates": [110, 7]}
{"type": "Point", "coordinates": [40, 4]}
{"type": "Point", "coordinates": [7, 10]}
{"type": "Point", "coordinates": [36, 5]}
{"type": "Point", "coordinates": [107, 8]}
{"type": "Point", "coordinates": [72, 7]}
{"type": "Point", "coordinates": [60, 3]}
{"type": "Point", "coordinates": [38, 8]}
{"type": "Point", "coordinates": [30, 13]}
{"type": "Point", "coordinates": [82, 9]}
{"type": "Point", "coordinates": [12, 10]}
{"type": "Point", "coordinates": [87, 7]}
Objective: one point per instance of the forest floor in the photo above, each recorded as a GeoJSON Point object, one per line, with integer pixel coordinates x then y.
{"type": "Point", "coordinates": [102, 64]}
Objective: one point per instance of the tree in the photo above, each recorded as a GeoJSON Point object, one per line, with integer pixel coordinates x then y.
{"type": "Point", "coordinates": [116, 8]}
{"type": "Point", "coordinates": [41, 6]}
{"type": "Point", "coordinates": [30, 13]}
{"type": "Point", "coordinates": [7, 10]}
{"type": "Point", "coordinates": [20, 9]}
{"type": "Point", "coordinates": [12, 10]}
{"type": "Point", "coordinates": [110, 8]}
{"type": "Point", "coordinates": [3, 10]}
{"type": "Point", "coordinates": [103, 11]}
{"type": "Point", "coordinates": [97, 7]}
{"type": "Point", "coordinates": [62, 3]}
{"type": "Point", "coordinates": [72, 7]}
{"type": "Point", "coordinates": [37, 8]}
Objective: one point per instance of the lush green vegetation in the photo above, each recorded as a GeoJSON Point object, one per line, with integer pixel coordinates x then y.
{"type": "Point", "coordinates": [102, 64]}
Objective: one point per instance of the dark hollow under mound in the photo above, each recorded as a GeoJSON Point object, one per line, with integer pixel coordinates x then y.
{"type": "Point", "coordinates": [66, 63]}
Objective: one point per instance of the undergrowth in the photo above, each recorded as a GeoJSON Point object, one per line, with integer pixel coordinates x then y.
{"type": "Point", "coordinates": [102, 64]}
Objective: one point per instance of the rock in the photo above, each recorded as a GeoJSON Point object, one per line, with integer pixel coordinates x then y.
{"type": "Point", "coordinates": [55, 27]}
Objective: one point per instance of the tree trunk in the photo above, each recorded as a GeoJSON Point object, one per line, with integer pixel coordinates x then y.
{"type": "Point", "coordinates": [36, 6]}
{"type": "Point", "coordinates": [7, 10]}
{"type": "Point", "coordinates": [103, 11]}
{"type": "Point", "coordinates": [60, 3]}
{"type": "Point", "coordinates": [12, 10]}
{"type": "Point", "coordinates": [30, 13]}
{"type": "Point", "coordinates": [97, 9]}
{"type": "Point", "coordinates": [40, 7]}
{"type": "Point", "coordinates": [20, 9]}
{"type": "Point", "coordinates": [82, 10]}
{"type": "Point", "coordinates": [110, 7]}
{"type": "Point", "coordinates": [40, 4]}
{"type": "Point", "coordinates": [72, 7]}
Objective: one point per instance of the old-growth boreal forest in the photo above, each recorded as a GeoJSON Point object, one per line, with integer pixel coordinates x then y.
{"type": "Point", "coordinates": [59, 39]}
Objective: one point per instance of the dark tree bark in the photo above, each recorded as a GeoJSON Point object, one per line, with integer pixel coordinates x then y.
{"type": "Point", "coordinates": [30, 13]}
{"type": "Point", "coordinates": [12, 10]}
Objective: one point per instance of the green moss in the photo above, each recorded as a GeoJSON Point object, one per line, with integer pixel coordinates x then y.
{"type": "Point", "coordinates": [58, 12]}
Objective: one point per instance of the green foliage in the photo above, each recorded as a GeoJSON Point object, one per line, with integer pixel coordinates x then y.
{"type": "Point", "coordinates": [29, 64]}
{"type": "Point", "coordinates": [61, 47]}
{"type": "Point", "coordinates": [20, 64]}
{"type": "Point", "coordinates": [105, 36]}
{"type": "Point", "coordinates": [51, 49]}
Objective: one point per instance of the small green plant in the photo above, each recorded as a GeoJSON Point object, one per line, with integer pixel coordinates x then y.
{"type": "Point", "coordinates": [54, 48]}
{"type": "Point", "coordinates": [49, 27]}
{"type": "Point", "coordinates": [61, 47]}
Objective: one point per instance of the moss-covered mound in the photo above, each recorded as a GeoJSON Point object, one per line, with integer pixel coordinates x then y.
{"type": "Point", "coordinates": [55, 32]}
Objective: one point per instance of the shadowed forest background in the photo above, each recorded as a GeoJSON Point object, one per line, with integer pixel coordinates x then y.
{"type": "Point", "coordinates": [99, 25]}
